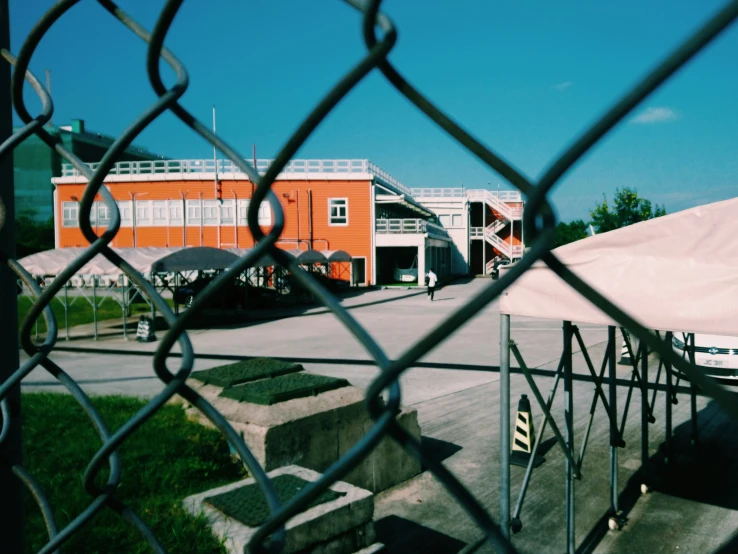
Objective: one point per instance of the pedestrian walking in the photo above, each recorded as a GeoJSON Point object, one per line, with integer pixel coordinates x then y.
{"type": "Point", "coordinates": [430, 280]}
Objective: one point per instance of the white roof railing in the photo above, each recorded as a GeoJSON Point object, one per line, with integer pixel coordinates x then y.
{"type": "Point", "coordinates": [226, 168]}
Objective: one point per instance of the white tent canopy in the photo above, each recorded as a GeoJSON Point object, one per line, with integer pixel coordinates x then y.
{"type": "Point", "coordinates": [674, 273]}
{"type": "Point", "coordinates": [144, 260]}
{"type": "Point", "coordinates": [164, 260]}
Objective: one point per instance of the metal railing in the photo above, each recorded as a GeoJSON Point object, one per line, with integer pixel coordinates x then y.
{"type": "Point", "coordinates": [477, 195]}
{"type": "Point", "coordinates": [430, 192]}
{"type": "Point", "coordinates": [413, 226]}
{"type": "Point", "coordinates": [230, 169]}
{"type": "Point", "coordinates": [498, 203]}
{"type": "Point", "coordinates": [539, 221]}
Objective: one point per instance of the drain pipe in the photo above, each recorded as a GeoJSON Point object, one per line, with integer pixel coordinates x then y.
{"type": "Point", "coordinates": [235, 217]}
{"type": "Point", "coordinates": [184, 218]}
{"type": "Point", "coordinates": [133, 217]}
{"type": "Point", "coordinates": [298, 218]}
{"type": "Point", "coordinates": [310, 218]}
{"type": "Point", "coordinates": [202, 214]}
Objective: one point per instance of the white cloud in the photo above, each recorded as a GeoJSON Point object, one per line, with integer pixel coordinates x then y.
{"type": "Point", "coordinates": [563, 86]}
{"type": "Point", "coordinates": [656, 115]}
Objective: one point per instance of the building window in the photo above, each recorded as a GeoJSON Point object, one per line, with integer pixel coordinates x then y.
{"type": "Point", "coordinates": [456, 220]}
{"type": "Point", "coordinates": [70, 212]}
{"type": "Point", "coordinates": [338, 211]}
{"type": "Point", "coordinates": [227, 212]}
{"type": "Point", "coordinates": [265, 213]}
{"type": "Point", "coordinates": [210, 209]}
{"type": "Point", "coordinates": [124, 207]}
{"type": "Point", "coordinates": [175, 212]}
{"type": "Point", "coordinates": [445, 220]}
{"type": "Point", "coordinates": [100, 214]}
{"type": "Point", "coordinates": [143, 213]}
{"type": "Point", "coordinates": [193, 212]}
{"type": "Point", "coordinates": [159, 212]}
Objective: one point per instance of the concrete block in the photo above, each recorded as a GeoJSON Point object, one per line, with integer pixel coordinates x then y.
{"type": "Point", "coordinates": [341, 526]}
{"type": "Point", "coordinates": [314, 432]}
{"type": "Point", "coordinates": [389, 463]}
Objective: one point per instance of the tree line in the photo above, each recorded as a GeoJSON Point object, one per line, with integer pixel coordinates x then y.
{"type": "Point", "coordinates": [627, 208]}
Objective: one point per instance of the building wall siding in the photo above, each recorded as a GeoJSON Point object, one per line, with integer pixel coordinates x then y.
{"type": "Point", "coordinates": [354, 238]}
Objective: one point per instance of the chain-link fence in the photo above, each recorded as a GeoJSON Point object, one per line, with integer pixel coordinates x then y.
{"type": "Point", "coordinates": [379, 35]}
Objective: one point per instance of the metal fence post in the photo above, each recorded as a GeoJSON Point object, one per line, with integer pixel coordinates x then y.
{"type": "Point", "coordinates": [94, 303]}
{"type": "Point", "coordinates": [644, 415]}
{"type": "Point", "coordinates": [569, 424]}
{"type": "Point", "coordinates": [11, 498]}
{"type": "Point", "coordinates": [505, 425]}
{"type": "Point", "coordinates": [667, 404]}
{"type": "Point", "coordinates": [614, 434]}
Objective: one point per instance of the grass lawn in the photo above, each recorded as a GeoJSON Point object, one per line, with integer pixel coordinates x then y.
{"type": "Point", "coordinates": [80, 312]}
{"type": "Point", "coordinates": [164, 461]}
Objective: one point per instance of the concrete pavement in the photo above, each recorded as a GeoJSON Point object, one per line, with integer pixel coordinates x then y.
{"type": "Point", "coordinates": [455, 389]}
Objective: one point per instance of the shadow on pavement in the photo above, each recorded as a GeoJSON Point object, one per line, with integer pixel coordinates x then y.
{"type": "Point", "coordinates": [437, 450]}
{"type": "Point", "coordinates": [704, 473]}
{"type": "Point", "coordinates": [402, 536]}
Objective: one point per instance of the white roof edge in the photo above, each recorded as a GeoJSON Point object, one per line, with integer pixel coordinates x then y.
{"type": "Point", "coordinates": [161, 177]}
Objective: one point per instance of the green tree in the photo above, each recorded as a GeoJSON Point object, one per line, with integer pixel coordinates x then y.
{"type": "Point", "coordinates": [628, 208]}
{"type": "Point", "coordinates": [570, 232]}
{"type": "Point", "coordinates": [32, 236]}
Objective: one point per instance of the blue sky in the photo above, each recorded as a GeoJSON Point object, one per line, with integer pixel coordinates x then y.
{"type": "Point", "coordinates": [524, 77]}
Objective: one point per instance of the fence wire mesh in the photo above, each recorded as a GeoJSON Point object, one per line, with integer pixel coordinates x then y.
{"type": "Point", "coordinates": [380, 35]}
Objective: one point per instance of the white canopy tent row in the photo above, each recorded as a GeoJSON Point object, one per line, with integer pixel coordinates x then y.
{"type": "Point", "coordinates": [165, 268]}
{"type": "Point", "coordinates": [675, 273]}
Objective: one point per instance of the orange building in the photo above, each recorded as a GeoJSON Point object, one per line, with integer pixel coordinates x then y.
{"type": "Point", "coordinates": [391, 232]}
{"type": "Point", "coordinates": [328, 205]}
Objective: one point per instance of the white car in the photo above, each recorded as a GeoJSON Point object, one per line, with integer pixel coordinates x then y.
{"type": "Point", "coordinates": [717, 355]}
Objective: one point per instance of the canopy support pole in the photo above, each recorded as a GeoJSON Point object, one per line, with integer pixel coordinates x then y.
{"type": "Point", "coordinates": [505, 425]}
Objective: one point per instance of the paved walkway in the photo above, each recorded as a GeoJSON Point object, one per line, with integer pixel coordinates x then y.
{"type": "Point", "coordinates": [455, 389]}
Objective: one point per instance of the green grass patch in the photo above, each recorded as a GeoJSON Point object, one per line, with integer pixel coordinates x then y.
{"type": "Point", "coordinates": [80, 312]}
{"type": "Point", "coordinates": [166, 460]}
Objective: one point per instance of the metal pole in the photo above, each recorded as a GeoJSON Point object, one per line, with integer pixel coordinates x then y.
{"type": "Point", "coordinates": [184, 218]}
{"type": "Point", "coordinates": [484, 238]}
{"type": "Point", "coordinates": [124, 305]}
{"type": "Point", "coordinates": [215, 162]}
{"type": "Point", "coordinates": [66, 309]}
{"type": "Point", "coordinates": [11, 499]}
{"type": "Point", "coordinates": [94, 303]}
{"type": "Point", "coordinates": [669, 397]}
{"type": "Point", "coordinates": [569, 424]}
{"type": "Point", "coordinates": [202, 217]}
{"type": "Point", "coordinates": [133, 217]}
{"type": "Point", "coordinates": [614, 435]}
{"type": "Point", "coordinates": [644, 413]}
{"type": "Point", "coordinates": [505, 425]}
{"type": "Point", "coordinates": [693, 394]}
{"type": "Point", "coordinates": [153, 308]}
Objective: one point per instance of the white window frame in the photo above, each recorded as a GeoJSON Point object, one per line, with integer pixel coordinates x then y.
{"type": "Point", "coordinates": [455, 217]}
{"type": "Point", "coordinates": [124, 207]}
{"type": "Point", "coordinates": [193, 215]}
{"type": "Point", "coordinates": [265, 212]}
{"type": "Point", "coordinates": [143, 206]}
{"type": "Point", "coordinates": [159, 213]}
{"type": "Point", "coordinates": [70, 214]}
{"type": "Point", "coordinates": [228, 212]}
{"type": "Point", "coordinates": [210, 213]}
{"type": "Point", "coordinates": [345, 206]}
{"type": "Point", "coordinates": [174, 213]}
{"type": "Point", "coordinates": [444, 220]}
